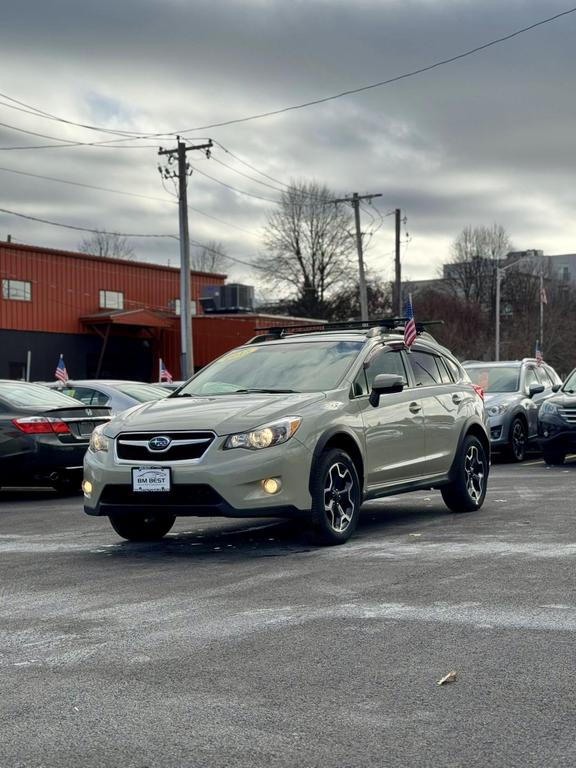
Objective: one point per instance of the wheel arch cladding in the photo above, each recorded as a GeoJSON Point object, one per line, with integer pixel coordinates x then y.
{"type": "Point", "coordinates": [476, 431]}
{"type": "Point", "coordinates": [343, 441]}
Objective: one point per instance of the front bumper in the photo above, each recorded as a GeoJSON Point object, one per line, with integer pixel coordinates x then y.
{"type": "Point", "coordinates": [499, 430]}
{"type": "Point", "coordinates": [222, 483]}
{"type": "Point", "coordinates": [42, 458]}
{"type": "Point", "coordinates": [555, 434]}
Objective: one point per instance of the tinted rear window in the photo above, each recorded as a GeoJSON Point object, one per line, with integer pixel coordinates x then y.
{"type": "Point", "coordinates": [20, 395]}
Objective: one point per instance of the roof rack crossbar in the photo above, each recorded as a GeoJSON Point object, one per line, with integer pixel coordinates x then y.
{"type": "Point", "coordinates": [388, 323]}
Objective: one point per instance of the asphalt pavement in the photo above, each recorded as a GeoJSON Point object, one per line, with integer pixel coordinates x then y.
{"type": "Point", "coordinates": [236, 643]}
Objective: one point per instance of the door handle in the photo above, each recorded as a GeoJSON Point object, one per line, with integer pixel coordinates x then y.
{"type": "Point", "coordinates": [457, 399]}
{"type": "Point", "coordinates": [414, 407]}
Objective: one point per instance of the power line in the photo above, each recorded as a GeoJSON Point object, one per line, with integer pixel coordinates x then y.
{"type": "Point", "coordinates": [86, 186]}
{"type": "Point", "coordinates": [127, 134]}
{"type": "Point", "coordinates": [234, 189]}
{"type": "Point", "coordinates": [82, 229]}
{"type": "Point", "coordinates": [125, 193]}
{"type": "Point", "coordinates": [382, 83]}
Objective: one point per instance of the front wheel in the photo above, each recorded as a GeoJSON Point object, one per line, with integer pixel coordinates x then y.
{"type": "Point", "coordinates": [467, 490]}
{"type": "Point", "coordinates": [518, 438]}
{"type": "Point", "coordinates": [142, 527]}
{"type": "Point", "coordinates": [336, 498]}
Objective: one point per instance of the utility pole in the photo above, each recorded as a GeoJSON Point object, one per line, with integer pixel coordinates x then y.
{"type": "Point", "coordinates": [355, 202]}
{"type": "Point", "coordinates": [397, 265]}
{"type": "Point", "coordinates": [187, 352]}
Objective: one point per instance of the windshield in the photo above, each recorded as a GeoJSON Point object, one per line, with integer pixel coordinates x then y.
{"type": "Point", "coordinates": [496, 378]}
{"type": "Point", "coordinates": [33, 395]}
{"type": "Point", "coordinates": [143, 392]}
{"type": "Point", "coordinates": [570, 383]}
{"type": "Point", "coordinates": [307, 366]}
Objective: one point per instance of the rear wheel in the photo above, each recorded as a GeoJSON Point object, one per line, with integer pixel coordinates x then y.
{"type": "Point", "coordinates": [336, 498]}
{"type": "Point", "coordinates": [517, 447]}
{"type": "Point", "coordinates": [467, 491]}
{"type": "Point", "coordinates": [142, 527]}
{"type": "Point", "coordinates": [553, 457]}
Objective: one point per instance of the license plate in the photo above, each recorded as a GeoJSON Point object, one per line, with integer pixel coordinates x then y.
{"type": "Point", "coordinates": [151, 479]}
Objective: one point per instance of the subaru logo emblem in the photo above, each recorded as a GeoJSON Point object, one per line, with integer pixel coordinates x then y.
{"type": "Point", "coordinates": [159, 443]}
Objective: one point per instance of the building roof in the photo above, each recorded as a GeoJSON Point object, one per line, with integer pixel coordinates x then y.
{"type": "Point", "coordinates": [102, 259]}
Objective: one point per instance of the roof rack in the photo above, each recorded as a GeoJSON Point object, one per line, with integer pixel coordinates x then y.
{"type": "Point", "coordinates": [385, 323]}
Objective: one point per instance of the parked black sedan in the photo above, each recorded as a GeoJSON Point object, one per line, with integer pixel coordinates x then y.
{"type": "Point", "coordinates": [43, 435]}
{"type": "Point", "coordinates": [557, 423]}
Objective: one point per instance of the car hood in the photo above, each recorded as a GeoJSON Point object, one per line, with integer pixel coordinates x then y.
{"type": "Point", "coordinates": [224, 414]}
{"type": "Point", "coordinates": [563, 399]}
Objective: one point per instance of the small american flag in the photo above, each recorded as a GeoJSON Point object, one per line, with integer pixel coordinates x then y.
{"type": "Point", "coordinates": [61, 373]}
{"type": "Point", "coordinates": [538, 355]}
{"type": "Point", "coordinates": [410, 327]}
{"type": "Point", "coordinates": [165, 374]}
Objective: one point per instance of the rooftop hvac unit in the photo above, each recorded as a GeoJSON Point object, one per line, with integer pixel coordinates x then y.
{"type": "Point", "coordinates": [210, 299]}
{"type": "Point", "coordinates": [228, 299]}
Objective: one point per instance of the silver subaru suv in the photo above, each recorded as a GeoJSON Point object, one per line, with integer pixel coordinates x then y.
{"type": "Point", "coordinates": [298, 423]}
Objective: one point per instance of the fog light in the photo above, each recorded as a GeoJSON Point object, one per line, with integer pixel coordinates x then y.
{"type": "Point", "coordinates": [87, 487]}
{"type": "Point", "coordinates": [272, 485]}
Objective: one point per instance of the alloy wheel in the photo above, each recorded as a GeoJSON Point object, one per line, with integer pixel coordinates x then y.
{"type": "Point", "coordinates": [339, 503]}
{"type": "Point", "coordinates": [475, 473]}
{"type": "Point", "coordinates": [518, 441]}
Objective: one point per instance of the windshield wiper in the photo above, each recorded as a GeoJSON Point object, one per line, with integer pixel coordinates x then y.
{"type": "Point", "coordinates": [266, 391]}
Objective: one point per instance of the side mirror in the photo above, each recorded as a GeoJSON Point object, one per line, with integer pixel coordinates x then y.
{"type": "Point", "coordinates": [385, 383]}
{"type": "Point", "coordinates": [535, 389]}
{"type": "Point", "coordinates": [556, 387]}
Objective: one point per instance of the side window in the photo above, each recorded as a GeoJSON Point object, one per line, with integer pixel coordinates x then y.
{"type": "Point", "coordinates": [424, 369]}
{"type": "Point", "coordinates": [553, 375]}
{"type": "Point", "coordinates": [530, 378]}
{"type": "Point", "coordinates": [454, 369]}
{"type": "Point", "coordinates": [445, 377]}
{"type": "Point", "coordinates": [543, 377]}
{"type": "Point", "coordinates": [89, 396]}
{"type": "Point", "coordinates": [360, 385]}
{"type": "Point", "coordinates": [387, 361]}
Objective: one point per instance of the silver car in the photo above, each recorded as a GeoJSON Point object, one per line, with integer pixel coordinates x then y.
{"type": "Point", "coordinates": [514, 391]}
{"type": "Point", "coordinates": [302, 425]}
{"type": "Point", "coordinates": [118, 395]}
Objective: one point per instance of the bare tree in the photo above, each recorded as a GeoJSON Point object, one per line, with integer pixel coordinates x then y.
{"type": "Point", "coordinates": [309, 246]}
{"type": "Point", "coordinates": [107, 244]}
{"type": "Point", "coordinates": [472, 271]}
{"type": "Point", "coordinates": [345, 305]}
{"type": "Point", "coordinates": [210, 257]}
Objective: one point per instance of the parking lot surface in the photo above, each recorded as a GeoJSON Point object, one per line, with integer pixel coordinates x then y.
{"type": "Point", "coordinates": [236, 643]}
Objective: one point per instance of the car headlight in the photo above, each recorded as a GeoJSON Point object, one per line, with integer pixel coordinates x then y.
{"type": "Point", "coordinates": [549, 408]}
{"type": "Point", "coordinates": [266, 435]}
{"type": "Point", "coordinates": [98, 441]}
{"type": "Point", "coordinates": [497, 410]}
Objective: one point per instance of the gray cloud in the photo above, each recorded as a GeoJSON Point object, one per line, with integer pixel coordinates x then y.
{"type": "Point", "coordinates": [486, 139]}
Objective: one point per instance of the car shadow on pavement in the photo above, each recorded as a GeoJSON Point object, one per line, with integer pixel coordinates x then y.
{"type": "Point", "coordinates": [273, 538]}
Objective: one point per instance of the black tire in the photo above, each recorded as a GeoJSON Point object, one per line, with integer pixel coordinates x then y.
{"type": "Point", "coordinates": [516, 450]}
{"type": "Point", "coordinates": [142, 527]}
{"type": "Point", "coordinates": [336, 498]}
{"type": "Point", "coordinates": [467, 490]}
{"type": "Point", "coordinates": [553, 457]}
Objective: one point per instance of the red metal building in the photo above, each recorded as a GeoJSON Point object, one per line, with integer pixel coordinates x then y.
{"type": "Point", "coordinates": [108, 317]}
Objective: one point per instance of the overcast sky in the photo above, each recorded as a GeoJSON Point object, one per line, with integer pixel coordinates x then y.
{"type": "Point", "coordinates": [486, 139]}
